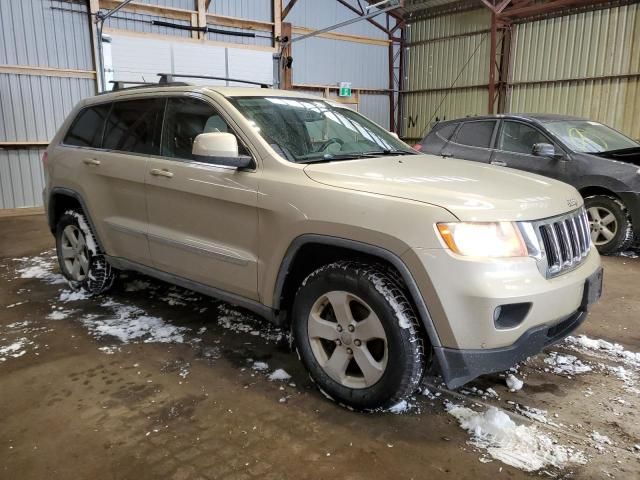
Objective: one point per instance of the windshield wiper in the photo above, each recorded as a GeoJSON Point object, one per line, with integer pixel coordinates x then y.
{"type": "Point", "coordinates": [355, 155]}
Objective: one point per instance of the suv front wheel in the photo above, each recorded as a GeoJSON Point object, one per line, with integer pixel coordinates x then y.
{"type": "Point", "coordinates": [81, 261]}
{"type": "Point", "coordinates": [357, 334]}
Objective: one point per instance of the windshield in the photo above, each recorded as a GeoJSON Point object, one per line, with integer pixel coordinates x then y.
{"type": "Point", "coordinates": [306, 130]}
{"type": "Point", "coordinates": [589, 137]}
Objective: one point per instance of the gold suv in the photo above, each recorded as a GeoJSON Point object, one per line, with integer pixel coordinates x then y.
{"type": "Point", "coordinates": [384, 263]}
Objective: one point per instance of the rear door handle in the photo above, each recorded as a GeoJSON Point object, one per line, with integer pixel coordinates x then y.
{"type": "Point", "coordinates": [91, 161]}
{"type": "Point", "coordinates": [161, 173]}
{"type": "Point", "coordinates": [499, 163]}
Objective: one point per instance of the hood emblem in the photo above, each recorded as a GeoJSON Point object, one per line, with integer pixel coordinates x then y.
{"type": "Point", "coordinates": [572, 202]}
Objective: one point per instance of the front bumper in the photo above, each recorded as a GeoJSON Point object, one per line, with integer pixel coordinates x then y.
{"type": "Point", "coordinates": [461, 366]}
{"type": "Point", "coordinates": [462, 296]}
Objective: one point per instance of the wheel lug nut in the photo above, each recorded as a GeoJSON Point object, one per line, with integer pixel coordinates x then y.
{"type": "Point", "coordinates": [338, 342]}
{"type": "Point", "coordinates": [339, 328]}
{"type": "Point", "coordinates": [351, 328]}
{"type": "Point", "coordinates": [357, 343]}
{"type": "Point", "coordinates": [349, 351]}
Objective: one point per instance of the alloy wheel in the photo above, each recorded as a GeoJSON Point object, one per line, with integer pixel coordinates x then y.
{"type": "Point", "coordinates": [347, 339]}
{"type": "Point", "coordinates": [604, 225]}
{"type": "Point", "coordinates": [75, 253]}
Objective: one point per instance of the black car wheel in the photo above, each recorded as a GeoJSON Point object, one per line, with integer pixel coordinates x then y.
{"type": "Point", "coordinates": [358, 336]}
{"type": "Point", "coordinates": [611, 229]}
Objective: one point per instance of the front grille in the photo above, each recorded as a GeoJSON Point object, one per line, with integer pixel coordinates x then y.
{"type": "Point", "coordinates": [566, 241]}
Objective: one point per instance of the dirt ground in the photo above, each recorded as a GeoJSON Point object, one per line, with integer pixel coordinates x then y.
{"type": "Point", "coordinates": [152, 381]}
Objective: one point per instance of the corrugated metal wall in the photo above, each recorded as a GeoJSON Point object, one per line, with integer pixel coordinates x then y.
{"type": "Point", "coordinates": [587, 64]}
{"type": "Point", "coordinates": [39, 33]}
{"type": "Point", "coordinates": [327, 61]}
{"type": "Point", "coordinates": [447, 69]}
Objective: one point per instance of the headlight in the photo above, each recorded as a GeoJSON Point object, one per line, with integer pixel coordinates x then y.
{"type": "Point", "coordinates": [480, 239]}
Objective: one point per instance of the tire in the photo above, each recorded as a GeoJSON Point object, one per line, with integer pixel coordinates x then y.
{"type": "Point", "coordinates": [611, 229]}
{"type": "Point", "coordinates": [377, 306]}
{"type": "Point", "coordinates": [83, 263]}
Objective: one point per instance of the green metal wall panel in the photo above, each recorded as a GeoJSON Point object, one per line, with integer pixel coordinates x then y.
{"type": "Point", "coordinates": [450, 54]}
{"type": "Point", "coordinates": [586, 64]}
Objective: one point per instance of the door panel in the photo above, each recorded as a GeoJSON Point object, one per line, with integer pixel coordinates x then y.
{"type": "Point", "coordinates": [203, 218]}
{"type": "Point", "coordinates": [113, 179]}
{"type": "Point", "coordinates": [514, 146]}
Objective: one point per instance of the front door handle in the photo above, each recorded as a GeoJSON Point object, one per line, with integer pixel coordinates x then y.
{"type": "Point", "coordinates": [91, 161]}
{"type": "Point", "coordinates": [499, 163]}
{"type": "Point", "coordinates": [161, 173]}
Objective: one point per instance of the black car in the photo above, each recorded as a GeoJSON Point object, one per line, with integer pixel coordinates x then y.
{"type": "Point", "coordinates": [599, 161]}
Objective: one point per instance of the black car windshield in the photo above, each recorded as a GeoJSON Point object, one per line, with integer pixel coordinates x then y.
{"type": "Point", "coordinates": [586, 136]}
{"type": "Point", "coordinates": [306, 130]}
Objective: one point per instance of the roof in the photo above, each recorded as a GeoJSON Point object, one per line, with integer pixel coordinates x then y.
{"type": "Point", "coordinates": [540, 117]}
{"type": "Point", "coordinates": [225, 91]}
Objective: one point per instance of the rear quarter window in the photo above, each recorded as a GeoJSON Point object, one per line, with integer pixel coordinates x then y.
{"type": "Point", "coordinates": [476, 134]}
{"type": "Point", "coordinates": [88, 127]}
{"type": "Point", "coordinates": [134, 126]}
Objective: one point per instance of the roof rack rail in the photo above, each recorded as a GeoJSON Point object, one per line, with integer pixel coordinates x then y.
{"type": "Point", "coordinates": [169, 78]}
{"type": "Point", "coordinates": [122, 85]}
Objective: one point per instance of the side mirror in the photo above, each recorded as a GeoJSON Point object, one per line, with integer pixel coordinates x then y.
{"type": "Point", "coordinates": [219, 148]}
{"type": "Point", "coordinates": [544, 150]}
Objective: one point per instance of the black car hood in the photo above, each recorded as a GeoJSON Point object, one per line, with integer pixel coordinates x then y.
{"type": "Point", "coordinates": [627, 155]}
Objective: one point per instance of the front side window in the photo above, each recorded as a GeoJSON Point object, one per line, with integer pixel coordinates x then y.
{"type": "Point", "coordinates": [589, 137]}
{"type": "Point", "coordinates": [476, 134]}
{"type": "Point", "coordinates": [87, 128]}
{"type": "Point", "coordinates": [308, 130]}
{"type": "Point", "coordinates": [185, 119]}
{"type": "Point", "coordinates": [134, 126]}
{"type": "Point", "coordinates": [519, 137]}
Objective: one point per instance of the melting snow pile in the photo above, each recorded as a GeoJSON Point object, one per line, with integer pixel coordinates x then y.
{"type": "Point", "coordinates": [14, 350]}
{"type": "Point", "coordinates": [129, 324]}
{"type": "Point", "coordinates": [520, 446]}
{"type": "Point", "coordinates": [40, 267]}
{"type": "Point", "coordinates": [604, 349]}
{"type": "Point", "coordinates": [514, 383]}
{"type": "Point", "coordinates": [279, 374]}
{"type": "Point", "coordinates": [73, 295]}
{"type": "Point", "coordinates": [238, 322]}
{"type": "Point", "coordinates": [566, 364]}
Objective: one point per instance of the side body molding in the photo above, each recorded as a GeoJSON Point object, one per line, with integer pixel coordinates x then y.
{"type": "Point", "coordinates": [366, 248]}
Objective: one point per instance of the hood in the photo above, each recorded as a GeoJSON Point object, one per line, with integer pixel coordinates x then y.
{"type": "Point", "coordinates": [471, 191]}
{"type": "Point", "coordinates": [627, 155]}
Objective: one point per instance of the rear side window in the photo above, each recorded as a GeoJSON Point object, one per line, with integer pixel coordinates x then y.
{"type": "Point", "coordinates": [446, 131]}
{"type": "Point", "coordinates": [134, 126]}
{"type": "Point", "coordinates": [476, 134]}
{"type": "Point", "coordinates": [87, 128]}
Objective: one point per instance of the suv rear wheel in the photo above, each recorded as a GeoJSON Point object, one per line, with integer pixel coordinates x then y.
{"type": "Point", "coordinates": [611, 229]}
{"type": "Point", "coordinates": [81, 260]}
{"type": "Point", "coordinates": [358, 335]}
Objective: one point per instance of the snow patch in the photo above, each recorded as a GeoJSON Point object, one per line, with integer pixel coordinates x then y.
{"type": "Point", "coordinates": [14, 350]}
{"type": "Point", "coordinates": [520, 446]}
{"type": "Point", "coordinates": [514, 383]}
{"type": "Point", "coordinates": [603, 349]}
{"type": "Point", "coordinates": [401, 407]}
{"type": "Point", "coordinates": [260, 366]}
{"type": "Point", "coordinates": [130, 324]}
{"type": "Point", "coordinates": [279, 374]}
{"type": "Point", "coordinates": [59, 314]}
{"type": "Point", "coordinates": [566, 364]}
{"type": "Point", "coordinates": [73, 295]}
{"type": "Point", "coordinates": [40, 267]}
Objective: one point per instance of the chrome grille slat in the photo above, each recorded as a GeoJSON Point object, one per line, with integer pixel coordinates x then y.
{"type": "Point", "coordinates": [565, 241]}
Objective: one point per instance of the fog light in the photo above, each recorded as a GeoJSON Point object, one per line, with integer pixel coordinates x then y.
{"type": "Point", "coordinates": [510, 315]}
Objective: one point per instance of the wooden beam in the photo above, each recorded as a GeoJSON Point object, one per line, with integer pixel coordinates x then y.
{"type": "Point", "coordinates": [288, 8]}
{"type": "Point", "coordinates": [286, 74]}
{"type": "Point", "coordinates": [315, 86]}
{"type": "Point", "coordinates": [202, 18]}
{"type": "Point", "coordinates": [345, 37]}
{"type": "Point", "coordinates": [277, 18]}
{"type": "Point", "coordinates": [47, 71]}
